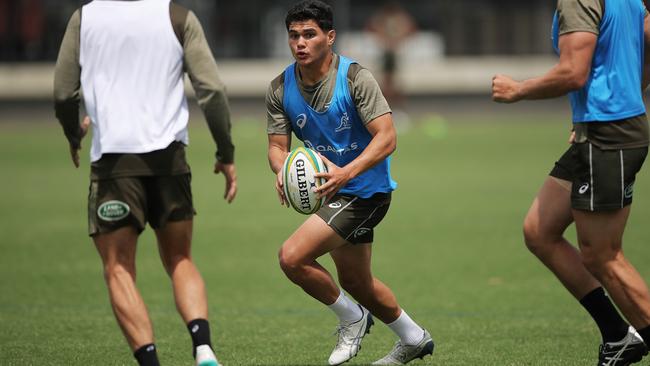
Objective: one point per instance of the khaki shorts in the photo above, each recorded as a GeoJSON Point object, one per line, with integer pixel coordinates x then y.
{"type": "Point", "coordinates": [601, 179]}
{"type": "Point", "coordinates": [354, 218]}
{"type": "Point", "coordinates": [134, 201]}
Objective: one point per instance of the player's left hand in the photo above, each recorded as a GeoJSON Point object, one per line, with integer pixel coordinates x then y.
{"type": "Point", "coordinates": [336, 178]}
{"type": "Point", "coordinates": [83, 130]}
{"type": "Point", "coordinates": [505, 89]}
{"type": "Point", "coordinates": [230, 174]}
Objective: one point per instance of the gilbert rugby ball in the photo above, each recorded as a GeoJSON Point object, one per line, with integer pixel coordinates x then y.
{"type": "Point", "coordinates": [299, 182]}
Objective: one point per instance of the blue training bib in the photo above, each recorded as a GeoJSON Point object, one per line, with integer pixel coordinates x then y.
{"type": "Point", "coordinates": [613, 90]}
{"type": "Point", "coordinates": [337, 133]}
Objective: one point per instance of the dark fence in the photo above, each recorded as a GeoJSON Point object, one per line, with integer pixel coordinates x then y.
{"type": "Point", "coordinates": [31, 30]}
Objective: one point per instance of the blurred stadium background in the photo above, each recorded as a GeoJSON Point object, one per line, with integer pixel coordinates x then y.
{"type": "Point", "coordinates": [451, 246]}
{"type": "Point", "coordinates": [248, 39]}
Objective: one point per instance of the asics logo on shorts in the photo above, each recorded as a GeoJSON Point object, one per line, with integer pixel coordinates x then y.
{"type": "Point", "coordinates": [360, 231]}
{"type": "Point", "coordinates": [335, 205]}
{"type": "Point", "coordinates": [629, 190]}
{"type": "Point", "coordinates": [583, 188]}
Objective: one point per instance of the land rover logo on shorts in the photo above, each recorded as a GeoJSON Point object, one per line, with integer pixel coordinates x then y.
{"type": "Point", "coordinates": [629, 190]}
{"type": "Point", "coordinates": [301, 120]}
{"type": "Point", "coordinates": [335, 205]}
{"type": "Point", "coordinates": [583, 188]}
{"type": "Point", "coordinates": [360, 231]}
{"type": "Point", "coordinates": [113, 210]}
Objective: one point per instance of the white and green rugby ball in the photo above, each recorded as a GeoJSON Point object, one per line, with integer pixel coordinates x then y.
{"type": "Point", "coordinates": [298, 173]}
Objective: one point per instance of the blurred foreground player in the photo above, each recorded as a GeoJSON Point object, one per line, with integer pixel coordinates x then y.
{"type": "Point", "coordinates": [129, 57]}
{"type": "Point", "coordinates": [603, 67]}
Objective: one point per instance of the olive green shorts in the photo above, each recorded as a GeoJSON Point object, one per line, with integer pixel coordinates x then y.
{"type": "Point", "coordinates": [354, 218]}
{"type": "Point", "coordinates": [601, 179]}
{"type": "Point", "coordinates": [134, 201]}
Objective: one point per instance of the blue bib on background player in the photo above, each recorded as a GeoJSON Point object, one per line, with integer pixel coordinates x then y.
{"type": "Point", "coordinates": [337, 133]}
{"type": "Point", "coordinates": [613, 90]}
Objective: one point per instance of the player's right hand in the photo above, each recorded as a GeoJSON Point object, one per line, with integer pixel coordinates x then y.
{"type": "Point", "coordinates": [505, 89]}
{"type": "Point", "coordinates": [335, 179]}
{"type": "Point", "coordinates": [279, 188]}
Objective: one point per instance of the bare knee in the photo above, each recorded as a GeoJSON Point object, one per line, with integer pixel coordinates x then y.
{"type": "Point", "coordinates": [290, 262]}
{"type": "Point", "coordinates": [538, 238]}
{"type": "Point", "coordinates": [117, 251]}
{"type": "Point", "coordinates": [533, 236]}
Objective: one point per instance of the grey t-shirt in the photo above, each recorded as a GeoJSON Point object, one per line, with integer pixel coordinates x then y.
{"type": "Point", "coordinates": [580, 15]}
{"type": "Point", "coordinates": [364, 90]}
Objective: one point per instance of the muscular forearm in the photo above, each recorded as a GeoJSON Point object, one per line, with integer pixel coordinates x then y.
{"type": "Point", "coordinates": [276, 155]}
{"type": "Point", "coordinates": [381, 146]}
{"type": "Point", "coordinates": [570, 73]}
{"type": "Point", "coordinates": [559, 81]}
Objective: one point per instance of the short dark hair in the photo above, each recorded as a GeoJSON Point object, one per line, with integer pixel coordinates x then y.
{"type": "Point", "coordinates": [315, 10]}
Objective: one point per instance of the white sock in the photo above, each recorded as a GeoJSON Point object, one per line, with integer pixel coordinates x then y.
{"type": "Point", "coordinates": [346, 309]}
{"type": "Point", "coordinates": [406, 329]}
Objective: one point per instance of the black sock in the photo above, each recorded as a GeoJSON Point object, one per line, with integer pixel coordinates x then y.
{"type": "Point", "coordinates": [200, 332]}
{"type": "Point", "coordinates": [645, 334]}
{"type": "Point", "coordinates": [146, 355]}
{"type": "Point", "coordinates": [612, 327]}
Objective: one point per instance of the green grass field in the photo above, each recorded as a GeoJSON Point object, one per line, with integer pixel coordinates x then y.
{"type": "Point", "coordinates": [450, 247]}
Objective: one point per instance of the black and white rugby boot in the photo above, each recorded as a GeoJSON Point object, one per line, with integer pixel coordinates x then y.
{"type": "Point", "coordinates": [627, 351]}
